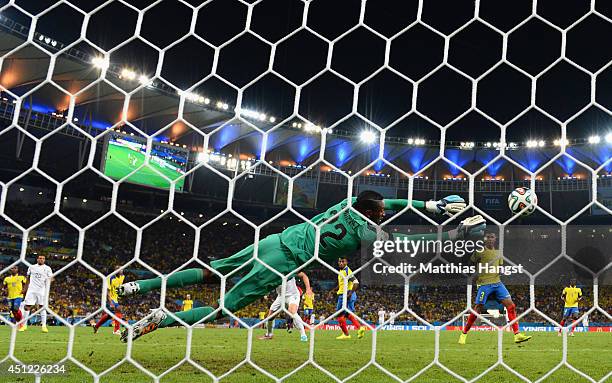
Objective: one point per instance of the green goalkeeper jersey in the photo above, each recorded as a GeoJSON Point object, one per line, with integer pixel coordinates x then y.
{"type": "Point", "coordinates": [340, 237]}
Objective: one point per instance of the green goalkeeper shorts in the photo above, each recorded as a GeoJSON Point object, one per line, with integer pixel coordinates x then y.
{"type": "Point", "coordinates": [259, 279]}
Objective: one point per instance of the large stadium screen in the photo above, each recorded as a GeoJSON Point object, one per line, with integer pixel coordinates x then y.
{"type": "Point", "coordinates": [125, 153]}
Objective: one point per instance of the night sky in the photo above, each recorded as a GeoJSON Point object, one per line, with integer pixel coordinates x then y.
{"type": "Point", "coordinates": [562, 90]}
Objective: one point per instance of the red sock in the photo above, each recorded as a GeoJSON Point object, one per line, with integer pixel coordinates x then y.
{"type": "Point", "coordinates": [116, 322]}
{"type": "Point", "coordinates": [562, 323]}
{"type": "Point", "coordinates": [17, 315]}
{"type": "Point", "coordinates": [512, 316]}
{"type": "Point", "coordinates": [470, 322]}
{"type": "Point", "coordinates": [574, 327]}
{"type": "Point", "coordinates": [102, 320]}
{"type": "Point", "coordinates": [354, 320]}
{"type": "Point", "coordinates": [342, 322]}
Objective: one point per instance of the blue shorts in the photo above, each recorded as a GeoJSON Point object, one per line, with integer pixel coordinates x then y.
{"type": "Point", "coordinates": [569, 311]}
{"type": "Point", "coordinates": [349, 305]}
{"type": "Point", "coordinates": [495, 291]}
{"type": "Point", "coordinates": [308, 312]}
{"type": "Point", "coordinates": [112, 305]}
{"type": "Point", "coordinates": [14, 303]}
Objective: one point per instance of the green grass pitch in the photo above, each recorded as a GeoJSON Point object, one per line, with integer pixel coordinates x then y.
{"type": "Point", "coordinates": [117, 166]}
{"type": "Point", "coordinates": [402, 353]}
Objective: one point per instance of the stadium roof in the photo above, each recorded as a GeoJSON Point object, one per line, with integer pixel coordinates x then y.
{"type": "Point", "coordinates": [412, 142]}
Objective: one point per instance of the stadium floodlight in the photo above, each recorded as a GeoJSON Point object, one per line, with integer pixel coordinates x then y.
{"type": "Point", "coordinates": [206, 100]}
{"type": "Point", "coordinates": [84, 200]}
{"type": "Point", "coordinates": [609, 138]}
{"type": "Point", "coordinates": [127, 74]}
{"type": "Point", "coordinates": [594, 140]}
{"type": "Point", "coordinates": [410, 141]}
{"type": "Point", "coordinates": [21, 189]}
{"type": "Point", "coordinates": [367, 136]}
{"type": "Point", "coordinates": [100, 62]}
{"type": "Point", "coordinates": [541, 143]}
{"type": "Point", "coordinates": [193, 97]}
{"type": "Point", "coordinates": [144, 80]}
{"type": "Point", "coordinates": [272, 119]}
{"type": "Point", "coordinates": [531, 143]}
{"type": "Point", "coordinates": [202, 157]}
{"type": "Point", "coordinates": [311, 128]}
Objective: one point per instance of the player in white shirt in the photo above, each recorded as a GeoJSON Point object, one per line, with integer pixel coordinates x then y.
{"type": "Point", "coordinates": [381, 316]}
{"type": "Point", "coordinates": [392, 318]}
{"type": "Point", "coordinates": [37, 285]}
{"type": "Point", "coordinates": [293, 296]}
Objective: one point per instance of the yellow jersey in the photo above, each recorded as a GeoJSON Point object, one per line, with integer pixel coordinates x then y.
{"type": "Point", "coordinates": [113, 283]}
{"type": "Point", "coordinates": [14, 283]}
{"type": "Point", "coordinates": [572, 294]}
{"type": "Point", "coordinates": [491, 258]}
{"type": "Point", "coordinates": [187, 304]}
{"type": "Point", "coordinates": [262, 315]}
{"type": "Point", "coordinates": [348, 274]}
{"type": "Point", "coordinates": [308, 302]}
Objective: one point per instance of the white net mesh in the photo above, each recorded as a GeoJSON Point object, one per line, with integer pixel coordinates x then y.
{"type": "Point", "coordinates": [264, 127]}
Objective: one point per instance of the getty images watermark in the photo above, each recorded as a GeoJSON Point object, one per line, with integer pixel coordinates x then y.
{"type": "Point", "coordinates": [412, 254]}
{"type": "Point", "coordinates": [434, 259]}
{"type": "Point", "coordinates": [459, 248]}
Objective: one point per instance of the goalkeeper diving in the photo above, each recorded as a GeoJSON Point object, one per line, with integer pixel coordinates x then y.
{"type": "Point", "coordinates": [342, 232]}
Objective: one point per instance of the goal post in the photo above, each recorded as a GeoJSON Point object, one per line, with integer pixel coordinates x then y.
{"type": "Point", "coordinates": [166, 164]}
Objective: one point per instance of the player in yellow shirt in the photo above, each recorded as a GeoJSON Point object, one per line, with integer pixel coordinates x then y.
{"type": "Point", "coordinates": [187, 303]}
{"type": "Point", "coordinates": [491, 286]}
{"type": "Point", "coordinates": [309, 308]}
{"type": "Point", "coordinates": [345, 272]}
{"type": "Point", "coordinates": [262, 316]}
{"type": "Point", "coordinates": [112, 302]}
{"type": "Point", "coordinates": [14, 284]}
{"type": "Point", "coordinates": [571, 295]}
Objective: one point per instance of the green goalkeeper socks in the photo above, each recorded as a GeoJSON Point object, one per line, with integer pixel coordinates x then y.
{"type": "Point", "coordinates": [179, 279]}
{"type": "Point", "coordinates": [189, 316]}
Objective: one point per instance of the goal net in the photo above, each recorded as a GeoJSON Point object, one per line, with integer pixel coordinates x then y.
{"type": "Point", "coordinates": [141, 138]}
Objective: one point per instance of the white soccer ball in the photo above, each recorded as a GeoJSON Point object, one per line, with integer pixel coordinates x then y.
{"type": "Point", "coordinates": [521, 198]}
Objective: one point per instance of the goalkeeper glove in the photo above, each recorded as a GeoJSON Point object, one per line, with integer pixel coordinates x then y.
{"type": "Point", "coordinates": [450, 205]}
{"type": "Point", "coordinates": [469, 228]}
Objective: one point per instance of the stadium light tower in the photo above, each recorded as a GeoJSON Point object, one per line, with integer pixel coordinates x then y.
{"type": "Point", "coordinates": [100, 62]}
{"type": "Point", "coordinates": [144, 80]}
{"type": "Point", "coordinates": [367, 136]}
{"type": "Point", "coordinates": [594, 140]}
{"type": "Point", "coordinates": [128, 74]}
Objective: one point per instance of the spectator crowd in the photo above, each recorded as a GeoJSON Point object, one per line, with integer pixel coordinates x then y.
{"type": "Point", "coordinates": [170, 243]}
